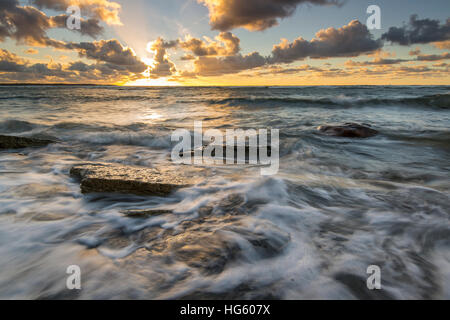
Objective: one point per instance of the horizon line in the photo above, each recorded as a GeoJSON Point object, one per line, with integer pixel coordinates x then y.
{"type": "Point", "coordinates": [225, 86]}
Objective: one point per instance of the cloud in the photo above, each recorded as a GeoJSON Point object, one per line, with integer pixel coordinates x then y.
{"type": "Point", "coordinates": [105, 10]}
{"type": "Point", "coordinates": [222, 55]}
{"type": "Point", "coordinates": [372, 72]}
{"type": "Point", "coordinates": [442, 44]}
{"type": "Point", "coordinates": [213, 66]}
{"type": "Point", "coordinates": [429, 57]}
{"type": "Point", "coordinates": [209, 57]}
{"type": "Point", "coordinates": [24, 24]}
{"type": "Point", "coordinates": [20, 69]}
{"type": "Point", "coordinates": [79, 66]}
{"type": "Point", "coordinates": [29, 25]}
{"type": "Point", "coordinates": [433, 57]}
{"type": "Point", "coordinates": [418, 31]}
{"type": "Point", "coordinates": [275, 70]}
{"type": "Point", "coordinates": [10, 62]}
{"type": "Point", "coordinates": [226, 44]}
{"type": "Point", "coordinates": [162, 66]}
{"type": "Point", "coordinates": [109, 51]}
{"type": "Point", "coordinates": [441, 65]}
{"type": "Point", "coordinates": [187, 57]}
{"type": "Point", "coordinates": [88, 27]}
{"type": "Point", "coordinates": [253, 14]}
{"type": "Point", "coordinates": [14, 68]}
{"type": "Point", "coordinates": [31, 51]}
{"type": "Point", "coordinates": [375, 62]}
{"type": "Point", "coordinates": [351, 40]}
{"type": "Point", "coordinates": [415, 52]}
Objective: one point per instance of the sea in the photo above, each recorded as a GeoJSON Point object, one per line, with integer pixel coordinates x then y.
{"type": "Point", "coordinates": [336, 210]}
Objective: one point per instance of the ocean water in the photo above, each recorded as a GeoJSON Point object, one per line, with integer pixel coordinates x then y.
{"type": "Point", "coordinates": [336, 206]}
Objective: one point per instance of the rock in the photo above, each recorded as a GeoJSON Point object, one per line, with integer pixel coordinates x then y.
{"type": "Point", "coordinates": [105, 177]}
{"type": "Point", "coordinates": [349, 130]}
{"type": "Point", "coordinates": [233, 204]}
{"type": "Point", "coordinates": [208, 244]}
{"type": "Point", "coordinates": [12, 142]}
{"type": "Point", "coordinates": [145, 213]}
{"type": "Point", "coordinates": [49, 217]}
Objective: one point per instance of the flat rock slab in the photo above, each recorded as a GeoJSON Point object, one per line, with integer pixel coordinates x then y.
{"type": "Point", "coordinates": [145, 213]}
{"type": "Point", "coordinates": [13, 142]}
{"type": "Point", "coordinates": [105, 177]}
{"type": "Point", "coordinates": [349, 130]}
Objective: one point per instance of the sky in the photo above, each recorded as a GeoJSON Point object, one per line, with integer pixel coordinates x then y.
{"type": "Point", "coordinates": [225, 42]}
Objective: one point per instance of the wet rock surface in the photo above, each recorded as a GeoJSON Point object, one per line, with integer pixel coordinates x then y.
{"type": "Point", "coordinates": [207, 244]}
{"type": "Point", "coordinates": [145, 213]}
{"type": "Point", "coordinates": [105, 177]}
{"type": "Point", "coordinates": [13, 142]}
{"type": "Point", "coordinates": [349, 130]}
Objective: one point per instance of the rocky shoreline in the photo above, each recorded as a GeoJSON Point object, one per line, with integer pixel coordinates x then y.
{"type": "Point", "coordinates": [118, 178]}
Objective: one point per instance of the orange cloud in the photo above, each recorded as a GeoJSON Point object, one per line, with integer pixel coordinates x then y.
{"type": "Point", "coordinates": [213, 48]}
{"type": "Point", "coordinates": [105, 10]}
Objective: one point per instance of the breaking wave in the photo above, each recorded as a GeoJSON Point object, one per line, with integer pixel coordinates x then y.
{"type": "Point", "coordinates": [441, 101]}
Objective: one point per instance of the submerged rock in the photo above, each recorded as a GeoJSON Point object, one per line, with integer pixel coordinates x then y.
{"type": "Point", "coordinates": [207, 244]}
{"type": "Point", "coordinates": [104, 177]}
{"type": "Point", "coordinates": [12, 142]}
{"type": "Point", "coordinates": [349, 130]}
{"type": "Point", "coordinates": [145, 213]}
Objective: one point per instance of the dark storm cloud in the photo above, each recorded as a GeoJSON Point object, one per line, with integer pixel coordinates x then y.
{"type": "Point", "coordinates": [24, 24]}
{"type": "Point", "coordinates": [419, 31]}
{"type": "Point", "coordinates": [348, 41]}
{"type": "Point", "coordinates": [29, 25]}
{"type": "Point", "coordinates": [90, 27]}
{"type": "Point", "coordinates": [253, 14]}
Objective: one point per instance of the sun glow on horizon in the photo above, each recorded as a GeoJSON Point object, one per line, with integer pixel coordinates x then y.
{"type": "Point", "coordinates": [148, 82]}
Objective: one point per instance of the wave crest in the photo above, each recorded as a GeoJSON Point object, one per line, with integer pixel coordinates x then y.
{"type": "Point", "coordinates": [441, 101]}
